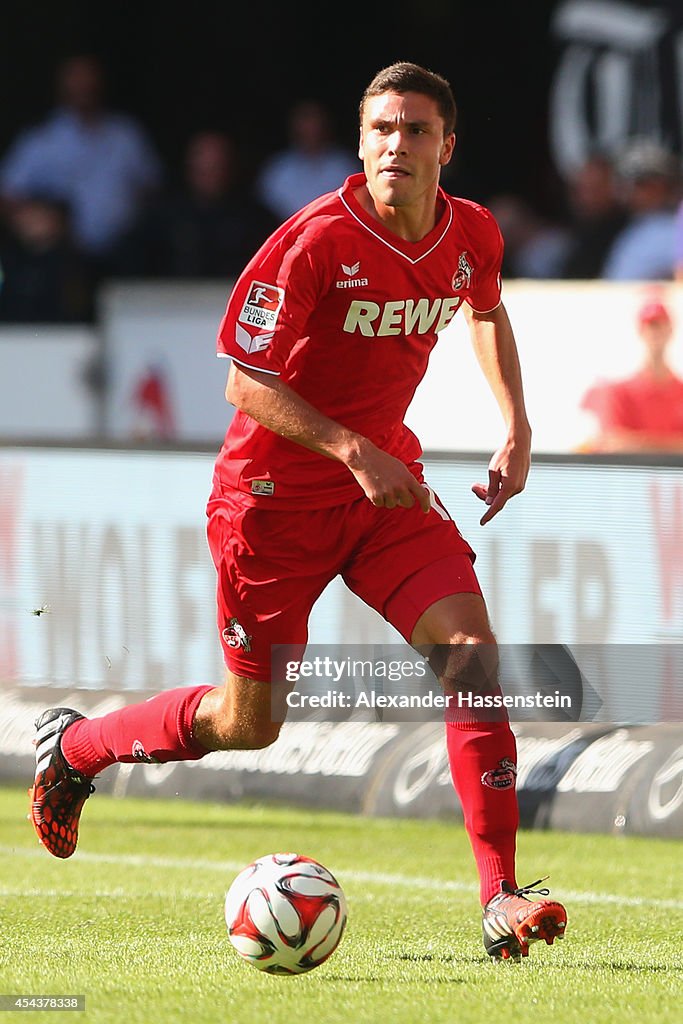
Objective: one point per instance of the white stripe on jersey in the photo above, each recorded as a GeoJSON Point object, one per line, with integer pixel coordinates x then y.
{"type": "Point", "coordinates": [392, 247]}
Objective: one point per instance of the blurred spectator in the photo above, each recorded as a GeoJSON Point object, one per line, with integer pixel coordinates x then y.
{"type": "Point", "coordinates": [45, 278]}
{"type": "Point", "coordinates": [644, 249]}
{"type": "Point", "coordinates": [100, 162]}
{"type": "Point", "coordinates": [678, 244]}
{"type": "Point", "coordinates": [596, 217]}
{"type": "Point", "coordinates": [534, 247]}
{"type": "Point", "coordinates": [152, 406]}
{"type": "Point", "coordinates": [311, 165]}
{"type": "Point", "coordinates": [209, 227]}
{"type": "Point", "coordinates": [643, 413]}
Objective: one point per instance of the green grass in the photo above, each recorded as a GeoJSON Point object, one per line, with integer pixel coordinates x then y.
{"type": "Point", "coordinates": [134, 921]}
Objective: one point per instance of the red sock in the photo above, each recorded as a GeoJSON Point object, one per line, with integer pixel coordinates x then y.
{"type": "Point", "coordinates": [482, 758]}
{"type": "Point", "coordinates": [157, 730]}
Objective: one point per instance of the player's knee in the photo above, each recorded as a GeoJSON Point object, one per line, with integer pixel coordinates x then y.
{"type": "Point", "coordinates": [467, 663]}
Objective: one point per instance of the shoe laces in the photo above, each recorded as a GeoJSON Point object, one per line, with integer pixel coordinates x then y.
{"type": "Point", "coordinates": [524, 890]}
{"type": "Point", "coordinates": [81, 782]}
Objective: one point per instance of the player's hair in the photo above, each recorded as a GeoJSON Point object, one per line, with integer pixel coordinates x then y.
{"type": "Point", "coordinates": [406, 77]}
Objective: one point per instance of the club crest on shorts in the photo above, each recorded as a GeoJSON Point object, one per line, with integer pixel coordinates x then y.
{"type": "Point", "coordinates": [502, 777]}
{"type": "Point", "coordinates": [236, 635]}
{"type": "Point", "coordinates": [140, 754]}
{"type": "Point", "coordinates": [463, 275]}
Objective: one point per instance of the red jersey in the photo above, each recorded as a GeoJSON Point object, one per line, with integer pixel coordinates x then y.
{"type": "Point", "coordinates": [641, 403]}
{"type": "Point", "coordinates": [346, 313]}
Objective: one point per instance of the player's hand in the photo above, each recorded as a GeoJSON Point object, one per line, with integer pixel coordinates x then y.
{"type": "Point", "coordinates": [508, 472]}
{"type": "Point", "coordinates": [387, 481]}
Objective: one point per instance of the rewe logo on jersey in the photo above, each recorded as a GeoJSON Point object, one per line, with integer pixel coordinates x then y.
{"type": "Point", "coordinates": [353, 281]}
{"type": "Point", "coordinates": [262, 305]}
{"type": "Point", "coordinates": [407, 316]}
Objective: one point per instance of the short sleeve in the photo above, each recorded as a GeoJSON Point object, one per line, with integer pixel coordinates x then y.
{"type": "Point", "coordinates": [269, 307]}
{"type": "Point", "coordinates": [485, 291]}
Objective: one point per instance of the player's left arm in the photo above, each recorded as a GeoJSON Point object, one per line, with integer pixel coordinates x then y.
{"type": "Point", "coordinates": [494, 344]}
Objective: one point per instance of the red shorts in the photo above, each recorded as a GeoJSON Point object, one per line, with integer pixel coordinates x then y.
{"type": "Point", "coordinates": [273, 565]}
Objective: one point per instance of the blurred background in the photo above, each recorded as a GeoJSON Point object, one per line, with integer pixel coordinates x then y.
{"type": "Point", "coordinates": [146, 152]}
{"type": "Point", "coordinates": [144, 158]}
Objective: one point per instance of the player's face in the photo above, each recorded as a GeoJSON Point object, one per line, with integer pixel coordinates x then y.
{"type": "Point", "coordinates": [403, 147]}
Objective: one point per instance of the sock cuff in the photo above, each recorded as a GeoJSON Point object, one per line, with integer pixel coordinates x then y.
{"type": "Point", "coordinates": [185, 720]}
{"type": "Point", "coordinates": [78, 749]}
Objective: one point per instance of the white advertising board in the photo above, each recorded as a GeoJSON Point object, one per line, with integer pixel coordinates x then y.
{"type": "Point", "coordinates": [44, 390]}
{"type": "Point", "coordinates": [570, 335]}
{"type": "Point", "coordinates": [106, 578]}
{"type": "Point", "coordinates": [164, 332]}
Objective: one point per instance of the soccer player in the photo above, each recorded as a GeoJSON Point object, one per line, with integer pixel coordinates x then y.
{"type": "Point", "coordinates": [329, 329]}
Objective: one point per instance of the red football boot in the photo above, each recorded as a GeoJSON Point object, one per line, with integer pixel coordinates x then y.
{"type": "Point", "coordinates": [511, 921]}
{"type": "Point", "coordinates": [58, 791]}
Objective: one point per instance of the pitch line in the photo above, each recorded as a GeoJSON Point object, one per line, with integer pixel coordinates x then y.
{"type": "Point", "coordinates": [223, 867]}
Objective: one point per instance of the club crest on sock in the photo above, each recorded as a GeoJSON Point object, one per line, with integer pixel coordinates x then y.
{"type": "Point", "coordinates": [140, 754]}
{"type": "Point", "coordinates": [502, 777]}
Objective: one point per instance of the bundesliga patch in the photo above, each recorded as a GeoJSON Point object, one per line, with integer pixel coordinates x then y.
{"type": "Point", "coordinates": [262, 305]}
{"type": "Point", "coordinates": [502, 777]}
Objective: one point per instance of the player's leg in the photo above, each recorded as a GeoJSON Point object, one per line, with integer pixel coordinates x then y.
{"type": "Point", "coordinates": [418, 573]}
{"type": "Point", "coordinates": [260, 602]}
{"type": "Point", "coordinates": [178, 725]}
{"type": "Point", "coordinates": [482, 755]}
{"type": "Point", "coordinates": [245, 714]}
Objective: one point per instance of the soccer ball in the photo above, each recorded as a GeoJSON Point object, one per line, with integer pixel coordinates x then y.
{"type": "Point", "coordinates": [285, 913]}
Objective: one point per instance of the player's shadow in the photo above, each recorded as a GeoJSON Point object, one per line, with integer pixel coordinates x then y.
{"type": "Point", "coordinates": [626, 965]}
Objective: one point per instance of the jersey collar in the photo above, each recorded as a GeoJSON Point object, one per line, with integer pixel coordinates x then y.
{"type": "Point", "coordinates": [413, 252]}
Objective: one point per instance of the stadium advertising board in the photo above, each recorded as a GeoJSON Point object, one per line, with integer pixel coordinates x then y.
{"type": "Point", "coordinates": [574, 777]}
{"type": "Point", "coordinates": [106, 579]}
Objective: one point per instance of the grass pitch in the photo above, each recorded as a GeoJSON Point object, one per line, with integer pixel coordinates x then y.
{"type": "Point", "coordinates": [134, 921]}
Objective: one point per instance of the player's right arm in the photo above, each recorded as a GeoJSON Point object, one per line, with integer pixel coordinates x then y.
{"type": "Point", "coordinates": [385, 480]}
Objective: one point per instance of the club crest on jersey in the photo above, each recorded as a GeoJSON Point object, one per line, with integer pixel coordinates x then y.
{"type": "Point", "coordinates": [463, 275]}
{"type": "Point", "coordinates": [502, 777]}
{"type": "Point", "coordinates": [262, 305]}
{"type": "Point", "coordinates": [236, 635]}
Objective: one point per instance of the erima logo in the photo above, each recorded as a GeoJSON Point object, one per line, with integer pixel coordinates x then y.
{"type": "Point", "coordinates": [353, 282]}
{"type": "Point", "coordinates": [252, 343]}
{"type": "Point", "coordinates": [407, 316]}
